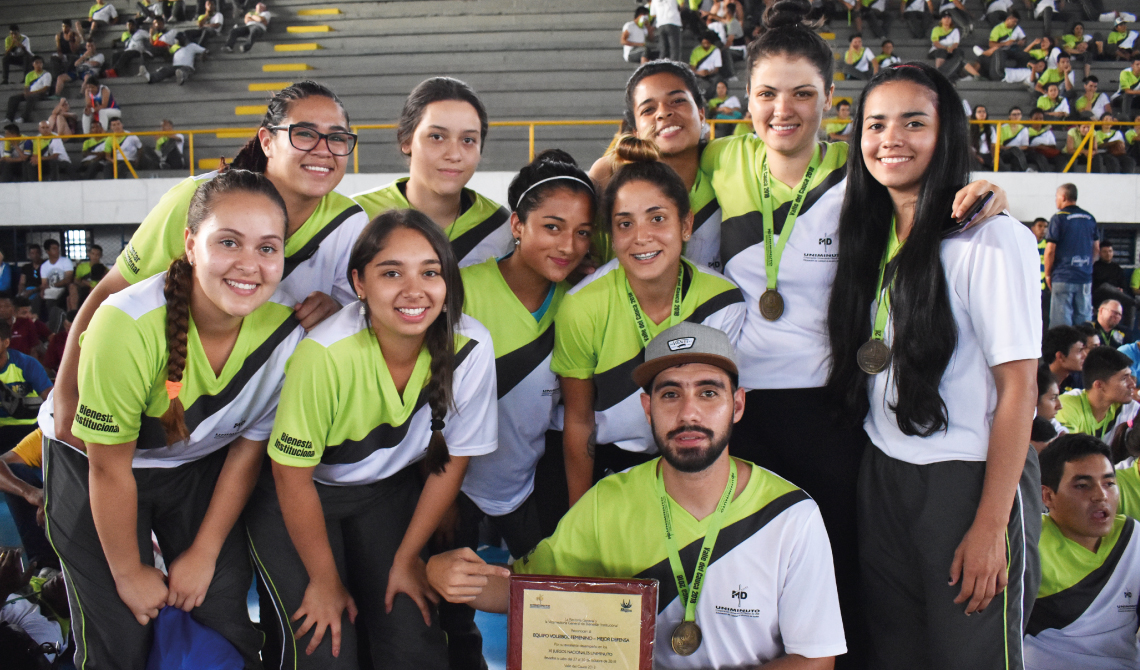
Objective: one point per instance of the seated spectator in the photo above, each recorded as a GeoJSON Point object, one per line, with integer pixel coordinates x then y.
{"type": "Point", "coordinates": [1073, 139]}
{"type": "Point", "coordinates": [944, 40]}
{"type": "Point", "coordinates": [982, 140]}
{"type": "Point", "coordinates": [17, 49]}
{"type": "Point", "coordinates": [1044, 10]}
{"type": "Point", "coordinates": [51, 152]}
{"type": "Point", "coordinates": [68, 45]}
{"type": "Point", "coordinates": [1111, 141]}
{"type": "Point", "coordinates": [706, 62]}
{"type": "Point", "coordinates": [996, 10]}
{"type": "Point", "coordinates": [1048, 397]}
{"type": "Point", "coordinates": [13, 157]}
{"type": "Point", "coordinates": [1092, 341]}
{"type": "Point", "coordinates": [1044, 48]}
{"type": "Point", "coordinates": [1125, 97]}
{"type": "Point", "coordinates": [616, 529]}
{"type": "Point", "coordinates": [1108, 399]}
{"type": "Point", "coordinates": [1080, 46]}
{"type": "Point", "coordinates": [23, 385]}
{"type": "Point", "coordinates": [54, 354]}
{"type": "Point", "coordinates": [1062, 75]}
{"type": "Point", "coordinates": [136, 45]}
{"type": "Point", "coordinates": [958, 12]}
{"type": "Point", "coordinates": [876, 14]}
{"type": "Point", "coordinates": [635, 36]}
{"type": "Point", "coordinates": [29, 286]}
{"type": "Point", "coordinates": [255, 25]}
{"type": "Point", "coordinates": [161, 37]}
{"type": "Point", "coordinates": [722, 105]}
{"type": "Point", "coordinates": [731, 15]}
{"type": "Point", "coordinates": [100, 104]}
{"type": "Point", "coordinates": [1093, 104]}
{"type": "Point", "coordinates": [1052, 104]}
{"type": "Point", "coordinates": [89, 63]}
{"type": "Point", "coordinates": [118, 149]}
{"type": "Point", "coordinates": [1063, 350]}
{"type": "Point", "coordinates": [182, 67]}
{"type": "Point", "coordinates": [859, 61]}
{"type": "Point", "coordinates": [1005, 47]}
{"type": "Point", "coordinates": [916, 14]}
{"type": "Point", "coordinates": [62, 121]}
{"type": "Point", "coordinates": [56, 275]}
{"type": "Point", "coordinates": [1085, 613]}
{"type": "Point", "coordinates": [1014, 139]}
{"type": "Point", "coordinates": [37, 86]}
{"type": "Point", "coordinates": [29, 638]}
{"type": "Point", "coordinates": [1042, 147]}
{"type": "Point", "coordinates": [169, 147]}
{"type": "Point", "coordinates": [22, 481]}
{"type": "Point", "coordinates": [887, 58]}
{"type": "Point", "coordinates": [1121, 42]}
{"type": "Point", "coordinates": [29, 335]}
{"type": "Point", "coordinates": [840, 128]}
{"type": "Point", "coordinates": [100, 15]}
{"type": "Point", "coordinates": [1108, 316]}
{"type": "Point", "coordinates": [7, 281]}
{"type": "Point", "coordinates": [88, 273]}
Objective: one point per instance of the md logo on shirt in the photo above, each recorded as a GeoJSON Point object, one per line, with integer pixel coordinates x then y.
{"type": "Point", "coordinates": [1129, 605]}
{"type": "Point", "coordinates": [739, 594]}
{"type": "Point", "coordinates": [825, 250]}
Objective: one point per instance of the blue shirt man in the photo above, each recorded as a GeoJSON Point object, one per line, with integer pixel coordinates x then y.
{"type": "Point", "coordinates": [1072, 243]}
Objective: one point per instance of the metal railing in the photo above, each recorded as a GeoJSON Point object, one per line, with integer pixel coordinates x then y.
{"type": "Point", "coordinates": [237, 133]}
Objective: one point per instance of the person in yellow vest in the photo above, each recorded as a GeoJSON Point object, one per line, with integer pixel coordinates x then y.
{"type": "Point", "coordinates": [858, 61]}
{"type": "Point", "coordinates": [22, 482]}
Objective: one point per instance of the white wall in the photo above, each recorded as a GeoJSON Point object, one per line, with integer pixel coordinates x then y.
{"type": "Point", "coordinates": [1110, 198]}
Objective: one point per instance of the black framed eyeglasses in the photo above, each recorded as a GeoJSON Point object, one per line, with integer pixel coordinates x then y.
{"type": "Point", "coordinates": [306, 138]}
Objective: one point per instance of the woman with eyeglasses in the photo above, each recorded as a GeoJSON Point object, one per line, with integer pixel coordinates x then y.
{"type": "Point", "coordinates": [441, 131]}
{"type": "Point", "coordinates": [302, 146]}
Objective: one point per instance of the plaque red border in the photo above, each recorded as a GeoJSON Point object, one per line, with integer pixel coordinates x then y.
{"type": "Point", "coordinates": [646, 588]}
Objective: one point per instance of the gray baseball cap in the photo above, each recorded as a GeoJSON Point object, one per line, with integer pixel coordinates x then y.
{"type": "Point", "coordinates": [686, 343]}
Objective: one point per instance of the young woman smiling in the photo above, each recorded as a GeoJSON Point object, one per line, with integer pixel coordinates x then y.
{"type": "Point", "coordinates": [664, 105]}
{"type": "Point", "coordinates": [605, 323]}
{"type": "Point", "coordinates": [935, 337]}
{"type": "Point", "coordinates": [780, 192]}
{"type": "Point", "coordinates": [391, 388]}
{"type": "Point", "coordinates": [517, 298]}
{"type": "Point", "coordinates": [178, 385]}
{"type": "Point", "coordinates": [442, 130]}
{"type": "Point", "coordinates": [302, 146]}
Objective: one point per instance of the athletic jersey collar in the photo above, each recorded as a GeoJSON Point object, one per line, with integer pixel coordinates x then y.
{"type": "Point", "coordinates": [1064, 562]}
{"type": "Point", "coordinates": [331, 205]}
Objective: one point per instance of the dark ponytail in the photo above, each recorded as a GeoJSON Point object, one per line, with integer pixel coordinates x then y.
{"type": "Point", "coordinates": [788, 35]}
{"type": "Point", "coordinates": [526, 193]}
{"type": "Point", "coordinates": [639, 160]}
{"type": "Point", "coordinates": [925, 333]}
{"type": "Point", "coordinates": [440, 336]}
{"type": "Point", "coordinates": [180, 284]}
{"type": "Point", "coordinates": [251, 156]}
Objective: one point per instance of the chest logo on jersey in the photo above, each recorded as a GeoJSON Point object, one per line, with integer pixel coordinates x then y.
{"type": "Point", "coordinates": [236, 430]}
{"type": "Point", "coordinates": [824, 250]}
{"type": "Point", "coordinates": [739, 594]}
{"type": "Point", "coordinates": [1129, 605]}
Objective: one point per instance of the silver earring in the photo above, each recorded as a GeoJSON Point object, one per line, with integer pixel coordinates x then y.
{"type": "Point", "coordinates": [517, 240]}
{"type": "Point", "coordinates": [363, 310]}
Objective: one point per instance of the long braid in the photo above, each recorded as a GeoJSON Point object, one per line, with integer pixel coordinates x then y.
{"type": "Point", "coordinates": [441, 346]}
{"type": "Point", "coordinates": [179, 283]}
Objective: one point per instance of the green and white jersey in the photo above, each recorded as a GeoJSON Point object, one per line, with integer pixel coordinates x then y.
{"type": "Point", "coordinates": [316, 255]}
{"type": "Point", "coordinates": [703, 247]}
{"type": "Point", "coordinates": [1128, 82]}
{"type": "Point", "coordinates": [1076, 415]}
{"type": "Point", "coordinates": [1085, 614]}
{"type": "Point", "coordinates": [1122, 40]}
{"type": "Point", "coordinates": [122, 379]}
{"type": "Point", "coordinates": [793, 351]}
{"type": "Point", "coordinates": [596, 337]}
{"type": "Point", "coordinates": [341, 412]}
{"type": "Point", "coordinates": [770, 585]}
{"type": "Point", "coordinates": [500, 481]}
{"type": "Point", "coordinates": [1128, 481]}
{"type": "Point", "coordinates": [482, 231]}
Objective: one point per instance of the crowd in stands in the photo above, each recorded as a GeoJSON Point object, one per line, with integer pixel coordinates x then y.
{"type": "Point", "coordinates": [163, 41]}
{"type": "Point", "coordinates": [985, 42]}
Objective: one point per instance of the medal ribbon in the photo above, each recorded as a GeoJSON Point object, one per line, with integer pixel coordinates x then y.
{"type": "Point", "coordinates": [884, 293]}
{"type": "Point", "coordinates": [773, 252]}
{"type": "Point", "coordinates": [639, 317]}
{"type": "Point", "coordinates": [690, 595]}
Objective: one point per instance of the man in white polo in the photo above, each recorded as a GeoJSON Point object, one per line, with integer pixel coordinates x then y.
{"type": "Point", "coordinates": [768, 592]}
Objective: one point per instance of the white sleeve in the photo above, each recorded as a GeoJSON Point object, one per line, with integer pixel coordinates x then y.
{"type": "Point", "coordinates": [953, 38]}
{"type": "Point", "coordinates": [27, 617]}
{"type": "Point", "coordinates": [65, 263]}
{"type": "Point", "coordinates": [808, 603]}
{"type": "Point", "coordinates": [472, 425]}
{"type": "Point", "coordinates": [711, 61]}
{"type": "Point", "coordinates": [729, 319]}
{"type": "Point", "coordinates": [262, 427]}
{"type": "Point", "coordinates": [342, 290]}
{"type": "Point", "coordinates": [1001, 281]}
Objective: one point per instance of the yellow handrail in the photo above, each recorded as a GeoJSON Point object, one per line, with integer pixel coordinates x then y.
{"type": "Point", "coordinates": [531, 126]}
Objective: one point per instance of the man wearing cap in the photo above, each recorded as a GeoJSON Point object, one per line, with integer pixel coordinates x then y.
{"type": "Point", "coordinates": [767, 596]}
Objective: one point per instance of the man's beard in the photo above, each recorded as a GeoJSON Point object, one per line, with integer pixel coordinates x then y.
{"type": "Point", "coordinates": [691, 459]}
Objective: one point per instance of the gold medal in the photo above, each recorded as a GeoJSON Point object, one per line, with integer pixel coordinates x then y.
{"type": "Point", "coordinates": [686, 638]}
{"type": "Point", "coordinates": [873, 357]}
{"type": "Point", "coordinates": [771, 304]}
